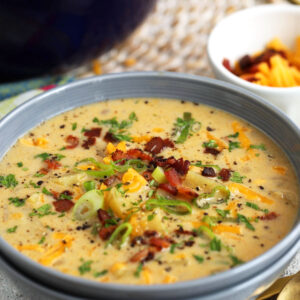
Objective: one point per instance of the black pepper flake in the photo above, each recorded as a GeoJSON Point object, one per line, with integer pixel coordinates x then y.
{"type": "Point", "coordinates": [262, 245]}
{"type": "Point", "coordinates": [261, 187]}
{"type": "Point", "coordinates": [62, 126]}
{"type": "Point", "coordinates": [209, 128]}
{"type": "Point", "coordinates": [182, 102]}
{"type": "Point", "coordinates": [40, 182]}
{"type": "Point", "coordinates": [168, 269]}
{"type": "Point", "coordinates": [146, 102]}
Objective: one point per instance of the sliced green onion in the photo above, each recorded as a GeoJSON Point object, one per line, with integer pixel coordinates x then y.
{"type": "Point", "coordinates": [159, 175]}
{"type": "Point", "coordinates": [176, 207]}
{"type": "Point", "coordinates": [206, 231]}
{"type": "Point", "coordinates": [87, 205]}
{"type": "Point", "coordinates": [98, 164]}
{"type": "Point", "coordinates": [89, 185]}
{"type": "Point", "coordinates": [100, 173]}
{"type": "Point", "coordinates": [126, 228]}
{"type": "Point", "coordinates": [136, 164]}
{"type": "Point", "coordinates": [219, 194]}
{"type": "Point", "coordinates": [208, 220]}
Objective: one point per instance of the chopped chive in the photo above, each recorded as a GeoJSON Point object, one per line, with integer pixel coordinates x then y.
{"type": "Point", "coordinates": [74, 126]}
{"type": "Point", "coordinates": [198, 258]}
{"type": "Point", "coordinates": [20, 164]}
{"type": "Point", "coordinates": [138, 270]}
{"type": "Point", "coordinates": [12, 229]}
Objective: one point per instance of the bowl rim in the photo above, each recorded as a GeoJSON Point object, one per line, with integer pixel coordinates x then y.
{"type": "Point", "coordinates": [256, 10]}
{"type": "Point", "coordinates": [291, 237]}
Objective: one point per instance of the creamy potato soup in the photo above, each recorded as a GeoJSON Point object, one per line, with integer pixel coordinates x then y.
{"type": "Point", "coordinates": [145, 191]}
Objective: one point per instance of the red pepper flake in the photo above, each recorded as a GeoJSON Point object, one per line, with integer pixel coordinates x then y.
{"type": "Point", "coordinates": [208, 172]}
{"type": "Point", "coordinates": [52, 164]}
{"type": "Point", "coordinates": [94, 132]}
{"type": "Point", "coordinates": [89, 142]}
{"type": "Point", "coordinates": [225, 174]}
{"type": "Point", "coordinates": [269, 216]}
{"type": "Point", "coordinates": [63, 205]}
{"type": "Point", "coordinates": [106, 232]}
{"type": "Point", "coordinates": [73, 141]}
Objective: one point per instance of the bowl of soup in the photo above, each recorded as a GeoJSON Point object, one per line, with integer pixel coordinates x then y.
{"type": "Point", "coordinates": [148, 185]}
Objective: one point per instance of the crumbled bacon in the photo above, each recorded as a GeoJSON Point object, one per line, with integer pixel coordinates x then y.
{"type": "Point", "coordinates": [159, 242]}
{"type": "Point", "coordinates": [110, 180]}
{"type": "Point", "coordinates": [208, 172]}
{"type": "Point", "coordinates": [106, 232]}
{"type": "Point", "coordinates": [181, 166]}
{"type": "Point", "coordinates": [187, 192]}
{"type": "Point", "coordinates": [63, 205]}
{"type": "Point", "coordinates": [173, 177]}
{"type": "Point", "coordinates": [168, 188]}
{"type": "Point", "coordinates": [185, 232]}
{"type": "Point", "coordinates": [226, 64]}
{"type": "Point", "coordinates": [224, 174]}
{"type": "Point", "coordinates": [156, 144]}
{"type": "Point", "coordinates": [52, 164]}
{"type": "Point", "coordinates": [139, 256]}
{"type": "Point", "coordinates": [138, 154]}
{"type": "Point", "coordinates": [89, 142]}
{"type": "Point", "coordinates": [43, 171]}
{"type": "Point", "coordinates": [94, 132]}
{"type": "Point", "coordinates": [147, 175]}
{"type": "Point", "coordinates": [269, 216]}
{"type": "Point", "coordinates": [110, 138]}
{"type": "Point", "coordinates": [118, 155]}
{"type": "Point", "coordinates": [150, 233]}
{"type": "Point", "coordinates": [102, 216]}
{"type": "Point", "coordinates": [212, 151]}
{"type": "Point", "coordinates": [73, 141]}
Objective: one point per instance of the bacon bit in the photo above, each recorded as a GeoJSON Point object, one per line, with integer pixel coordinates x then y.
{"type": "Point", "coordinates": [159, 242]}
{"type": "Point", "coordinates": [73, 141]}
{"type": "Point", "coordinates": [147, 175]}
{"type": "Point", "coordinates": [52, 164]}
{"type": "Point", "coordinates": [156, 144]}
{"type": "Point", "coordinates": [63, 205]}
{"type": "Point", "coordinates": [208, 172]}
{"type": "Point", "coordinates": [55, 194]}
{"type": "Point", "coordinates": [187, 192]}
{"type": "Point", "coordinates": [94, 132]}
{"type": "Point", "coordinates": [150, 255]}
{"type": "Point", "coordinates": [138, 240]}
{"type": "Point", "coordinates": [173, 177]}
{"type": "Point", "coordinates": [225, 174]}
{"type": "Point", "coordinates": [226, 64]}
{"type": "Point", "coordinates": [43, 171]}
{"type": "Point", "coordinates": [139, 256]}
{"type": "Point", "coordinates": [118, 155]}
{"type": "Point", "coordinates": [103, 216]}
{"type": "Point", "coordinates": [168, 188]}
{"type": "Point", "coordinates": [110, 138]}
{"type": "Point", "coordinates": [270, 216]}
{"type": "Point", "coordinates": [110, 180]}
{"type": "Point", "coordinates": [185, 232]}
{"type": "Point", "coordinates": [150, 233]}
{"type": "Point", "coordinates": [181, 166]}
{"type": "Point", "coordinates": [89, 142]}
{"type": "Point", "coordinates": [212, 151]}
{"type": "Point", "coordinates": [138, 154]}
{"type": "Point", "coordinates": [106, 232]}
{"type": "Point", "coordinates": [245, 62]}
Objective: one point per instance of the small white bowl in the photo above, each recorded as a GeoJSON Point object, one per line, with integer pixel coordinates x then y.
{"type": "Point", "coordinates": [247, 32]}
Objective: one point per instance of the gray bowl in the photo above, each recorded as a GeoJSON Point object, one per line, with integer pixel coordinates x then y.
{"type": "Point", "coordinates": [238, 283]}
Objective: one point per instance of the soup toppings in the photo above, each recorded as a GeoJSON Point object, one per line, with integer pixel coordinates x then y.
{"type": "Point", "coordinates": [145, 191]}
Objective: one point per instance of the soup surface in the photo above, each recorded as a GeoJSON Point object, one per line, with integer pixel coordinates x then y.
{"type": "Point", "coordinates": [145, 191]}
